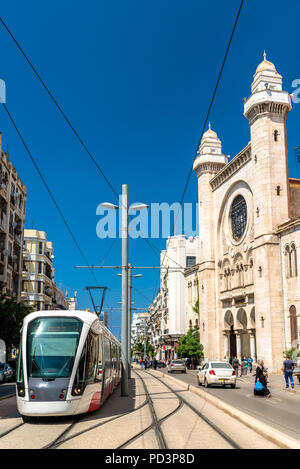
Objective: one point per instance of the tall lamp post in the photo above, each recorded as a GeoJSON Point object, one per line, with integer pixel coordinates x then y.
{"type": "Point", "coordinates": [124, 235]}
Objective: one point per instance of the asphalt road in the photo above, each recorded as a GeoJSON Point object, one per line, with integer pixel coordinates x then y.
{"type": "Point", "coordinates": [7, 389]}
{"type": "Point", "coordinates": [281, 411]}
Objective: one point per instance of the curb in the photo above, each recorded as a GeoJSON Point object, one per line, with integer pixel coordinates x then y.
{"type": "Point", "coordinates": [7, 397]}
{"type": "Point", "coordinates": [270, 433]}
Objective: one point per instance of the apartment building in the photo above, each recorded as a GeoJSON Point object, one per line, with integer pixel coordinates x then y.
{"type": "Point", "coordinates": [38, 286]}
{"type": "Point", "coordinates": [12, 217]}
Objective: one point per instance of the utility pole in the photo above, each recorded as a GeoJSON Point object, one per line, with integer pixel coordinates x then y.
{"type": "Point", "coordinates": [129, 318]}
{"type": "Point", "coordinates": [145, 338]}
{"type": "Point", "coordinates": [124, 344]}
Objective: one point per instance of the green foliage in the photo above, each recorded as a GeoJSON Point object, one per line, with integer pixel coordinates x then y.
{"type": "Point", "coordinates": [12, 313]}
{"type": "Point", "coordinates": [189, 345]}
{"type": "Point", "coordinates": [293, 353]}
{"type": "Point", "coordinates": [196, 307]}
{"type": "Point", "coordinates": [139, 348]}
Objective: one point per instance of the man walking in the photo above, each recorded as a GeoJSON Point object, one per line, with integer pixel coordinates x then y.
{"type": "Point", "coordinates": [288, 366]}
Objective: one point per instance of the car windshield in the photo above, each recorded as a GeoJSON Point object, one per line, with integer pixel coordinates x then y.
{"type": "Point", "coordinates": [177, 362]}
{"type": "Point", "coordinates": [221, 365]}
{"type": "Point", "coordinates": [51, 346]}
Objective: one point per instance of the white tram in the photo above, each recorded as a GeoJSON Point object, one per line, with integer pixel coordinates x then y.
{"type": "Point", "coordinates": [69, 363]}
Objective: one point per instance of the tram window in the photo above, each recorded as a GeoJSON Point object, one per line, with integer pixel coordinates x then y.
{"type": "Point", "coordinates": [92, 357]}
{"type": "Point", "coordinates": [88, 361]}
{"type": "Point", "coordinates": [51, 346]}
{"type": "Point", "coordinates": [106, 357]}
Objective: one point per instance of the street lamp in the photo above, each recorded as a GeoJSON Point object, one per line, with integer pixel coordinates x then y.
{"type": "Point", "coordinates": [125, 320]}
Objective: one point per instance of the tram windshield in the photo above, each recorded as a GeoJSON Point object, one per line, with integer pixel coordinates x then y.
{"type": "Point", "coordinates": [51, 346]}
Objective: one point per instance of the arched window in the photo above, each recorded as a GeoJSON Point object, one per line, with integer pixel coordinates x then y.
{"type": "Point", "coordinates": [291, 261]}
{"type": "Point", "coordinates": [288, 262]}
{"type": "Point", "coordinates": [293, 325]}
{"type": "Point", "coordinates": [294, 269]}
{"type": "Point", "coordinates": [238, 215]}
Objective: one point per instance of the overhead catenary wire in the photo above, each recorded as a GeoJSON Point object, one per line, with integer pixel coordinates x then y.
{"type": "Point", "coordinates": [49, 190]}
{"type": "Point", "coordinates": [207, 116]}
{"type": "Point", "coordinates": [66, 118]}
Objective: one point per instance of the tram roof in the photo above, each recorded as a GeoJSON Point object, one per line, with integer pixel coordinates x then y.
{"type": "Point", "coordinates": [86, 316]}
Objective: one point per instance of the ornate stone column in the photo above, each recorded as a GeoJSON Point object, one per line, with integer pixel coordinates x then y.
{"type": "Point", "coordinates": [252, 345]}
{"type": "Point", "coordinates": [226, 344]}
{"type": "Point", "coordinates": [238, 344]}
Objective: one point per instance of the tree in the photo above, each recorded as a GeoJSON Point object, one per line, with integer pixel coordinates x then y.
{"type": "Point", "coordinates": [139, 348]}
{"type": "Point", "coordinates": [196, 307]}
{"type": "Point", "coordinates": [12, 313]}
{"type": "Point", "coordinates": [189, 345]}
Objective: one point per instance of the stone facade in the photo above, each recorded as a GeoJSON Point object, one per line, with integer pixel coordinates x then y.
{"type": "Point", "coordinates": [249, 234]}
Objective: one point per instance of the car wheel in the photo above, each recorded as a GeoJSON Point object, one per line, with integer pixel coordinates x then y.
{"type": "Point", "coordinates": [206, 383]}
{"type": "Point", "coordinates": [25, 418]}
{"type": "Point", "coordinates": [233, 386]}
{"type": "Point", "coordinates": [198, 381]}
{"type": "Point", "coordinates": [299, 379]}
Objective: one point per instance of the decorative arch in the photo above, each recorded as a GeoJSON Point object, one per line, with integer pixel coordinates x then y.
{"type": "Point", "coordinates": [228, 320]}
{"type": "Point", "coordinates": [241, 319]}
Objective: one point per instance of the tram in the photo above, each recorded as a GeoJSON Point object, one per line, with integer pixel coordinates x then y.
{"type": "Point", "coordinates": [68, 364]}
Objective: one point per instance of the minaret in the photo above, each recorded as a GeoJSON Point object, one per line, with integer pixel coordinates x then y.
{"type": "Point", "coordinates": [266, 110]}
{"type": "Point", "coordinates": [208, 162]}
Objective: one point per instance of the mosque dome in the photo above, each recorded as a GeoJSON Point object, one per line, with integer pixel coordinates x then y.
{"type": "Point", "coordinates": [266, 66]}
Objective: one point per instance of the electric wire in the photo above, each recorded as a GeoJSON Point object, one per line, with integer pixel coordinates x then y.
{"type": "Point", "coordinates": [49, 191]}
{"type": "Point", "coordinates": [207, 116]}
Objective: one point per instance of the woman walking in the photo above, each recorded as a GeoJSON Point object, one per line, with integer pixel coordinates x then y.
{"type": "Point", "coordinates": [260, 388]}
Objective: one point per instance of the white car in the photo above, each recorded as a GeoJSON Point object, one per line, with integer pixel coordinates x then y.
{"type": "Point", "coordinates": [216, 373]}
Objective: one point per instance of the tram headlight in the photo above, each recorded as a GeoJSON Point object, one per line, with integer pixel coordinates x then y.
{"type": "Point", "coordinates": [77, 390]}
{"type": "Point", "coordinates": [21, 392]}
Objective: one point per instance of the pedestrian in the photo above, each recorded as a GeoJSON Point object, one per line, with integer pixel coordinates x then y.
{"type": "Point", "coordinates": [250, 362]}
{"type": "Point", "coordinates": [243, 367]}
{"type": "Point", "coordinates": [154, 363]}
{"type": "Point", "coordinates": [230, 361]}
{"type": "Point", "coordinates": [260, 387]}
{"type": "Point", "coordinates": [235, 364]}
{"type": "Point", "coordinates": [288, 366]}
{"type": "Point", "coordinates": [188, 363]}
{"type": "Point", "coordinates": [195, 363]}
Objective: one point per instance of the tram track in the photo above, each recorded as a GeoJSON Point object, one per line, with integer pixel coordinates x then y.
{"type": "Point", "coordinates": [155, 425]}
{"type": "Point", "coordinates": [59, 440]}
{"type": "Point", "coordinates": [217, 429]}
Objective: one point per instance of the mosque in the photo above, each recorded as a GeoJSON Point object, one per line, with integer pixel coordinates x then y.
{"type": "Point", "coordinates": [249, 234]}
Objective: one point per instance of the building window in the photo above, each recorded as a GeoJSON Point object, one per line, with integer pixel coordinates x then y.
{"type": "Point", "coordinates": [190, 261]}
{"type": "Point", "coordinates": [291, 261]}
{"type": "Point", "coordinates": [238, 215]}
{"type": "Point", "coordinates": [40, 268]}
{"type": "Point", "coordinates": [293, 325]}
{"type": "Point", "coordinates": [40, 247]}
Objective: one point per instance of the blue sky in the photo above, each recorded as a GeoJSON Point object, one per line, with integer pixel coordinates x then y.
{"type": "Point", "coordinates": [136, 79]}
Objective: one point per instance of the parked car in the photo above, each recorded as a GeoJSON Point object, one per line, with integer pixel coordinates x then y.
{"type": "Point", "coordinates": [296, 372]}
{"type": "Point", "coordinates": [6, 372]}
{"type": "Point", "coordinates": [177, 365]}
{"type": "Point", "coordinates": [160, 364]}
{"type": "Point", "coordinates": [217, 373]}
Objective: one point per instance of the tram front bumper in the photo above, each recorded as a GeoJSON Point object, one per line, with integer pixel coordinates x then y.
{"type": "Point", "coordinates": [45, 409]}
